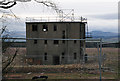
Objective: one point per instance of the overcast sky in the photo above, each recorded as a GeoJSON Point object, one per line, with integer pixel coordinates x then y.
{"type": "Point", "coordinates": [101, 14]}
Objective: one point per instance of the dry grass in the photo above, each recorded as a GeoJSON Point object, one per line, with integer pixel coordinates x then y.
{"type": "Point", "coordinates": [63, 75]}
{"type": "Point", "coordinates": [92, 51]}
{"type": "Point", "coordinates": [111, 62]}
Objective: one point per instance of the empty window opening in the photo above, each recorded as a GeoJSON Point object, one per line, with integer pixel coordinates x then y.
{"type": "Point", "coordinates": [75, 41]}
{"type": "Point", "coordinates": [45, 28]}
{"type": "Point", "coordinates": [63, 32]}
{"type": "Point", "coordinates": [56, 42]}
{"type": "Point", "coordinates": [45, 42]}
{"type": "Point", "coordinates": [55, 28]}
{"type": "Point", "coordinates": [63, 41]}
{"type": "Point", "coordinates": [45, 56]}
{"type": "Point", "coordinates": [35, 41]}
{"type": "Point", "coordinates": [63, 36]}
{"type": "Point", "coordinates": [81, 43]}
{"type": "Point", "coordinates": [34, 27]}
{"type": "Point", "coordinates": [75, 56]}
{"type": "Point", "coordinates": [56, 60]}
{"type": "Point", "coordinates": [63, 55]}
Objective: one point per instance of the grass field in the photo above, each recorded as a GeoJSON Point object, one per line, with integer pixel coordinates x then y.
{"type": "Point", "coordinates": [89, 70]}
{"type": "Point", "coordinates": [107, 75]}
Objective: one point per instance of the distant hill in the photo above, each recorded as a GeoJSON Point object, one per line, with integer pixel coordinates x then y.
{"type": "Point", "coordinates": [106, 36]}
{"type": "Point", "coordinates": [18, 34]}
{"type": "Point", "coordinates": [97, 34]}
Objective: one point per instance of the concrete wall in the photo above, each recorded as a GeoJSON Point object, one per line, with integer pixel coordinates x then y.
{"type": "Point", "coordinates": [73, 30]}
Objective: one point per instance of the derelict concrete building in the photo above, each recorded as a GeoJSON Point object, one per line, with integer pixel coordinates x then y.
{"type": "Point", "coordinates": [55, 51]}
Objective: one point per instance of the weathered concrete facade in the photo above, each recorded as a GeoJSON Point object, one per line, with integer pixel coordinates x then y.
{"type": "Point", "coordinates": [55, 51]}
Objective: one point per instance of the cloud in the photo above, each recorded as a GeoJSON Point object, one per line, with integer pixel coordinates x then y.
{"type": "Point", "coordinates": [104, 22]}
{"type": "Point", "coordinates": [103, 25]}
{"type": "Point", "coordinates": [112, 16]}
{"type": "Point", "coordinates": [101, 15]}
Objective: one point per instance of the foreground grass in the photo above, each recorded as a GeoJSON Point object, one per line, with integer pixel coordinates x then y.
{"type": "Point", "coordinates": [111, 62]}
{"type": "Point", "coordinates": [105, 75]}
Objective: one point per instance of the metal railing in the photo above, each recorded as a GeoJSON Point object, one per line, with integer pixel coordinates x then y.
{"type": "Point", "coordinates": [54, 19]}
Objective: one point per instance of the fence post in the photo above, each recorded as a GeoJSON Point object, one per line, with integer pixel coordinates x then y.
{"type": "Point", "coordinates": [0, 58]}
{"type": "Point", "coordinates": [100, 60]}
